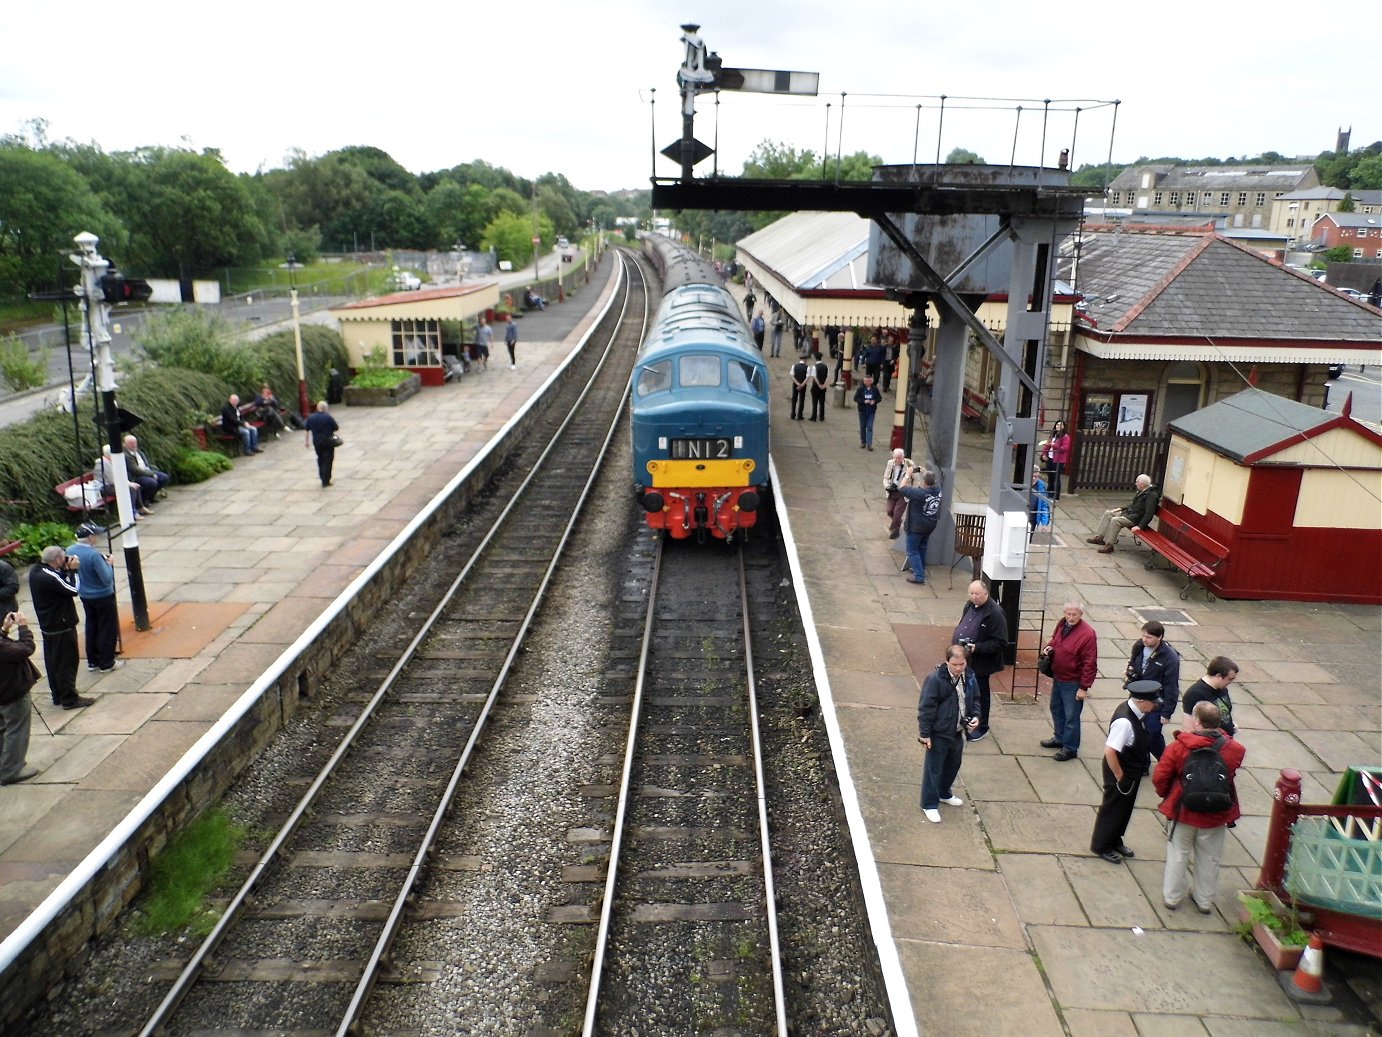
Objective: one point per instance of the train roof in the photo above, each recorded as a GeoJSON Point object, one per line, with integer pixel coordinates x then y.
{"type": "Point", "coordinates": [699, 315]}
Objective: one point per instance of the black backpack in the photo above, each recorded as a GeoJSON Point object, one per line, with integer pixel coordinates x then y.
{"type": "Point", "coordinates": [1205, 785]}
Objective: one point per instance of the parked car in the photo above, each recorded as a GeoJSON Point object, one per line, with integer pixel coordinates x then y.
{"type": "Point", "coordinates": [1352, 293]}
{"type": "Point", "coordinates": [563, 243]}
{"type": "Point", "coordinates": [407, 282]}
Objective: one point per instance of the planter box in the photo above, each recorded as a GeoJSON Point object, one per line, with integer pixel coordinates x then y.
{"type": "Point", "coordinates": [357, 396]}
{"type": "Point", "coordinates": [1284, 957]}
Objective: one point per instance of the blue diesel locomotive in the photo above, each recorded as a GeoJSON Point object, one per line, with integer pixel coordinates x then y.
{"type": "Point", "coordinates": [699, 406]}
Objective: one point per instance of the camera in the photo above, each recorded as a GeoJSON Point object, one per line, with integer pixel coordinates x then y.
{"type": "Point", "coordinates": [967, 643]}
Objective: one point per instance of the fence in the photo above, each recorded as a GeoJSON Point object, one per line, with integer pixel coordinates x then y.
{"type": "Point", "coordinates": [1109, 461]}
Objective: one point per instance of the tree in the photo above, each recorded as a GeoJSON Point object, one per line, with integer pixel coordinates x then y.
{"type": "Point", "coordinates": [1347, 204]}
{"type": "Point", "coordinates": [188, 214]}
{"type": "Point", "coordinates": [511, 236]}
{"type": "Point", "coordinates": [43, 204]}
{"type": "Point", "coordinates": [1339, 254]}
{"type": "Point", "coordinates": [1367, 174]}
{"type": "Point", "coordinates": [963, 157]}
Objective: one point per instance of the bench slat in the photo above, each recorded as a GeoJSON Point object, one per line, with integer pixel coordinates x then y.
{"type": "Point", "coordinates": [1181, 559]}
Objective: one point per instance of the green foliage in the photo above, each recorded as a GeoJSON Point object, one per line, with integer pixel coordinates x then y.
{"type": "Point", "coordinates": [303, 245]}
{"type": "Point", "coordinates": [380, 378]}
{"type": "Point", "coordinates": [49, 448]}
{"type": "Point", "coordinates": [35, 536]}
{"type": "Point", "coordinates": [1339, 254]}
{"type": "Point", "coordinates": [963, 157]}
{"type": "Point", "coordinates": [1263, 913]}
{"type": "Point", "coordinates": [190, 867]}
{"type": "Point", "coordinates": [192, 466]}
{"type": "Point", "coordinates": [511, 235]}
{"type": "Point", "coordinates": [375, 360]}
{"type": "Point", "coordinates": [1367, 174]}
{"type": "Point", "coordinates": [194, 340]}
{"type": "Point", "coordinates": [17, 369]}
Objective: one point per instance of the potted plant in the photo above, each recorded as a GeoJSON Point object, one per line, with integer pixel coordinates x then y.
{"type": "Point", "coordinates": [378, 385]}
{"type": "Point", "coordinates": [1275, 926]}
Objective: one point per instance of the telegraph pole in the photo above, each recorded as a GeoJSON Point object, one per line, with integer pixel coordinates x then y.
{"type": "Point", "coordinates": [92, 293]}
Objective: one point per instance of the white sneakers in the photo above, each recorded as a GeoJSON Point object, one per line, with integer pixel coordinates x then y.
{"type": "Point", "coordinates": [953, 801]}
{"type": "Point", "coordinates": [934, 816]}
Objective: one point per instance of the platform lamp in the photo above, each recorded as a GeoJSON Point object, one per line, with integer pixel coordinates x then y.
{"type": "Point", "coordinates": [291, 266]}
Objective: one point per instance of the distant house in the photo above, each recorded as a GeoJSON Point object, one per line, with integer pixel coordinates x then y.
{"type": "Point", "coordinates": [1358, 231]}
{"type": "Point", "coordinates": [1242, 196]}
{"type": "Point", "coordinates": [1174, 320]}
{"type": "Point", "coordinates": [1295, 213]}
{"type": "Point", "coordinates": [1285, 494]}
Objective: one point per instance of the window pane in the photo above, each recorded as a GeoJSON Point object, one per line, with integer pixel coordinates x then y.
{"type": "Point", "coordinates": [695, 371]}
{"type": "Point", "coordinates": [744, 378]}
{"type": "Point", "coordinates": [654, 378]}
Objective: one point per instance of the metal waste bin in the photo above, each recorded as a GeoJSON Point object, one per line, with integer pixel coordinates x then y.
{"type": "Point", "coordinates": [970, 523]}
{"type": "Point", "coordinates": [335, 388]}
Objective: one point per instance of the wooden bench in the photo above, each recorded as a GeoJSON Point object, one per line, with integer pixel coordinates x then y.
{"type": "Point", "coordinates": [1195, 568]}
{"type": "Point", "coordinates": [10, 546]}
{"type": "Point", "coordinates": [972, 408]}
{"type": "Point", "coordinates": [61, 490]}
{"type": "Point", "coordinates": [212, 430]}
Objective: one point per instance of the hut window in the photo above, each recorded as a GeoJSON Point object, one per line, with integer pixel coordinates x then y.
{"type": "Point", "coordinates": [416, 343]}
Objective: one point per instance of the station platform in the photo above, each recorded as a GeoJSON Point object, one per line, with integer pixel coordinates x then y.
{"type": "Point", "coordinates": [1001, 920]}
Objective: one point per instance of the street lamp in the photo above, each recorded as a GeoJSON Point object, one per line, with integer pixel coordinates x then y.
{"type": "Point", "coordinates": [292, 266]}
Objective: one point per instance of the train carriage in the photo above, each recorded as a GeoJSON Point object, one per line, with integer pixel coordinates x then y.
{"type": "Point", "coordinates": [699, 408]}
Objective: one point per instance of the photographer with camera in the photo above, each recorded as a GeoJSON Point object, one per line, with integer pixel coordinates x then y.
{"type": "Point", "coordinates": [54, 587]}
{"type": "Point", "coordinates": [893, 474]}
{"type": "Point", "coordinates": [983, 633]}
{"type": "Point", "coordinates": [17, 676]}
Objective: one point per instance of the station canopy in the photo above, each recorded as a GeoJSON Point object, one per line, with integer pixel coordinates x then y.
{"type": "Point", "coordinates": [814, 264]}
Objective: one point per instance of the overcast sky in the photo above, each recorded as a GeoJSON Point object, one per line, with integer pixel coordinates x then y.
{"type": "Point", "coordinates": [540, 86]}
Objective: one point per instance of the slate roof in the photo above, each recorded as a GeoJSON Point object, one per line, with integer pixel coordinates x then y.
{"type": "Point", "coordinates": [1353, 219]}
{"type": "Point", "coordinates": [1247, 424]}
{"type": "Point", "coordinates": [1157, 282]}
{"type": "Point", "coordinates": [1289, 177]}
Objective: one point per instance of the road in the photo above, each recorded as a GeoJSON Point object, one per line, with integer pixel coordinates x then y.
{"type": "Point", "coordinates": [1366, 388]}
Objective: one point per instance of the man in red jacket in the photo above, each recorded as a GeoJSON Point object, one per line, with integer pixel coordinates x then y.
{"type": "Point", "coordinates": [1195, 836]}
{"type": "Point", "coordinates": [1074, 651]}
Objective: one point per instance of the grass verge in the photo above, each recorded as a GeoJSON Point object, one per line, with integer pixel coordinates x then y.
{"type": "Point", "coordinates": [189, 868]}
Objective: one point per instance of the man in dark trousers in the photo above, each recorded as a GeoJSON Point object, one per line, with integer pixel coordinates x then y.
{"type": "Point", "coordinates": [17, 676]}
{"type": "Point", "coordinates": [98, 597]}
{"type": "Point", "coordinates": [947, 709]}
{"type": "Point", "coordinates": [1074, 652]}
{"type": "Point", "coordinates": [820, 371]}
{"type": "Point", "coordinates": [983, 633]}
{"type": "Point", "coordinates": [511, 341]}
{"type": "Point", "coordinates": [1154, 660]}
{"type": "Point", "coordinates": [801, 373]}
{"type": "Point", "coordinates": [757, 326]}
{"type": "Point", "coordinates": [1125, 761]}
{"type": "Point", "coordinates": [1134, 515]}
{"type": "Point", "coordinates": [321, 431]}
{"type": "Point", "coordinates": [53, 587]}
{"type": "Point", "coordinates": [866, 399]}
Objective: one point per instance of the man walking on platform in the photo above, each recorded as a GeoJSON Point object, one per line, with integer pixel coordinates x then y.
{"type": "Point", "coordinates": [866, 399]}
{"type": "Point", "coordinates": [511, 340]}
{"type": "Point", "coordinates": [947, 708]}
{"type": "Point", "coordinates": [1125, 761]}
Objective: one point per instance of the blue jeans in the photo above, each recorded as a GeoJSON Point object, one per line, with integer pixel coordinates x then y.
{"type": "Point", "coordinates": [1065, 713]}
{"type": "Point", "coordinates": [866, 426]}
{"type": "Point", "coordinates": [939, 769]}
{"type": "Point", "coordinates": [249, 436]}
{"type": "Point", "coordinates": [916, 553]}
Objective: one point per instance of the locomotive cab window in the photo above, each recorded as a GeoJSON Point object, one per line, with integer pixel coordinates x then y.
{"type": "Point", "coordinates": [745, 378]}
{"type": "Point", "coordinates": [654, 378]}
{"type": "Point", "coordinates": [698, 371]}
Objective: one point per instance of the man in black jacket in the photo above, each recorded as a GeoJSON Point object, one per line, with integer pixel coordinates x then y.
{"type": "Point", "coordinates": [947, 709]}
{"type": "Point", "coordinates": [54, 586]}
{"type": "Point", "coordinates": [983, 633]}
{"type": "Point", "coordinates": [1134, 516]}
{"type": "Point", "coordinates": [1154, 660]}
{"type": "Point", "coordinates": [17, 676]}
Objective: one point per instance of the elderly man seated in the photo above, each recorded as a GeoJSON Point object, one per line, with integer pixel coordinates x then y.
{"type": "Point", "coordinates": [232, 423]}
{"type": "Point", "coordinates": [151, 481]}
{"type": "Point", "coordinates": [533, 301]}
{"type": "Point", "coordinates": [1135, 515]}
{"type": "Point", "coordinates": [103, 473]}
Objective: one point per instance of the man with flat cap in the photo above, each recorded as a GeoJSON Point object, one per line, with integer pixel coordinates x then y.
{"type": "Point", "coordinates": [1126, 760]}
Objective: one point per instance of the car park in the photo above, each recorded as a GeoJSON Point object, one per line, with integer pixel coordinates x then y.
{"type": "Point", "coordinates": [407, 282]}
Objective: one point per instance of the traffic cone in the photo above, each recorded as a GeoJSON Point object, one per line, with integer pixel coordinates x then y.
{"type": "Point", "coordinates": [1309, 975]}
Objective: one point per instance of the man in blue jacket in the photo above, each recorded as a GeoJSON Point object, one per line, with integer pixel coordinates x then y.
{"type": "Point", "coordinates": [923, 515]}
{"type": "Point", "coordinates": [97, 593]}
{"type": "Point", "coordinates": [1153, 659]}
{"type": "Point", "coordinates": [948, 708]}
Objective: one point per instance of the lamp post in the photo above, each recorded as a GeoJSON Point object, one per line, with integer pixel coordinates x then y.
{"type": "Point", "coordinates": [291, 266]}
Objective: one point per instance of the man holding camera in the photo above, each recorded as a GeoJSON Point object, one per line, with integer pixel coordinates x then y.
{"type": "Point", "coordinates": [17, 676]}
{"type": "Point", "coordinates": [983, 634]}
{"type": "Point", "coordinates": [893, 473]}
{"type": "Point", "coordinates": [54, 586]}
{"type": "Point", "coordinates": [948, 708]}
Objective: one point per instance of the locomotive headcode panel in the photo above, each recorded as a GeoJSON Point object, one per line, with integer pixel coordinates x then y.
{"type": "Point", "coordinates": [699, 407]}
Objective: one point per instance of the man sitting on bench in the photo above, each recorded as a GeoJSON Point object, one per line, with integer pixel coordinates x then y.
{"type": "Point", "coordinates": [232, 425]}
{"type": "Point", "coordinates": [1136, 514]}
{"type": "Point", "coordinates": [533, 301]}
{"type": "Point", "coordinates": [151, 481]}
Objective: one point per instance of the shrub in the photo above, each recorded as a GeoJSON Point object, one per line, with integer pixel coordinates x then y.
{"type": "Point", "coordinates": [189, 466]}
{"type": "Point", "coordinates": [17, 369]}
{"type": "Point", "coordinates": [380, 378]}
{"type": "Point", "coordinates": [190, 866]}
{"type": "Point", "coordinates": [35, 536]}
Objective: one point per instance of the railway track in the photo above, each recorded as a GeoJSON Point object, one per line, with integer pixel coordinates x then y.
{"type": "Point", "coordinates": [306, 937]}
{"type": "Point", "coordinates": [687, 938]}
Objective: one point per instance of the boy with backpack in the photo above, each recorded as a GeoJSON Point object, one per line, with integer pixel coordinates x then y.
{"type": "Point", "coordinates": [1194, 777]}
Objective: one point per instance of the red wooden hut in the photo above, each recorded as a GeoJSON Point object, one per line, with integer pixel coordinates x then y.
{"type": "Point", "coordinates": [1289, 496]}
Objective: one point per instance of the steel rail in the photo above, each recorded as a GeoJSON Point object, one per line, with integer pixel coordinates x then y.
{"type": "Point", "coordinates": [761, 788]}
{"type": "Point", "coordinates": [235, 907]}
{"type": "Point", "coordinates": [621, 810]}
{"type": "Point", "coordinates": [394, 922]}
